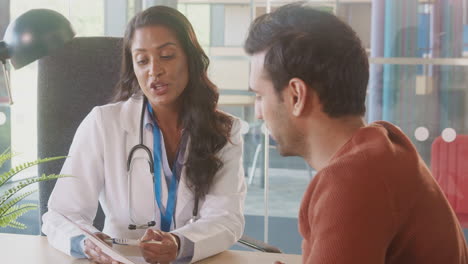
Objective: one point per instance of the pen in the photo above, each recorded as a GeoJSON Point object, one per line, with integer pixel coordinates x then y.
{"type": "Point", "coordinates": [129, 242]}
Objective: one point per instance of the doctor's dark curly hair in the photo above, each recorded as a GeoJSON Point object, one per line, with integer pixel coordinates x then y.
{"type": "Point", "coordinates": [208, 129]}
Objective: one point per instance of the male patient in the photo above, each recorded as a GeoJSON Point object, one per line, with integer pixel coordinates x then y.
{"type": "Point", "coordinates": [373, 199]}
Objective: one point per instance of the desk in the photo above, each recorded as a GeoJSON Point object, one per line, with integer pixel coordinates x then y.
{"type": "Point", "coordinates": [25, 249]}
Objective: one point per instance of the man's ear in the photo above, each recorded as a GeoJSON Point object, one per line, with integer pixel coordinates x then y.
{"type": "Point", "coordinates": [298, 93]}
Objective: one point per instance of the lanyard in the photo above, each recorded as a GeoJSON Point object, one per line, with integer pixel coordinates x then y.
{"type": "Point", "coordinates": [168, 211]}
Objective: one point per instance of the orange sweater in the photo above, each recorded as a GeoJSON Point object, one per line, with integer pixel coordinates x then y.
{"type": "Point", "coordinates": [376, 202]}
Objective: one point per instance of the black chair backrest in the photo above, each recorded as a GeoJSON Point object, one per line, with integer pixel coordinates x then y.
{"type": "Point", "coordinates": [70, 83]}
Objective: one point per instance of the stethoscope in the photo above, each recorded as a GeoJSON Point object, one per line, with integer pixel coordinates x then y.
{"type": "Point", "coordinates": [133, 225]}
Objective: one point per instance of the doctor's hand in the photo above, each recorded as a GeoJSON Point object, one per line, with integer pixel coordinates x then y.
{"type": "Point", "coordinates": [95, 253]}
{"type": "Point", "coordinates": [162, 253]}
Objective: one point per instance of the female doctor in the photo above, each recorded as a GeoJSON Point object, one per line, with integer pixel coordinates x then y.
{"type": "Point", "coordinates": [164, 163]}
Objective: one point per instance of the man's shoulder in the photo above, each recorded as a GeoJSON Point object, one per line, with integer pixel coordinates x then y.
{"type": "Point", "coordinates": [371, 159]}
{"type": "Point", "coordinates": [377, 148]}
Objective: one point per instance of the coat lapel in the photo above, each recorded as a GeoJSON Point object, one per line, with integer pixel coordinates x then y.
{"type": "Point", "coordinates": [184, 195]}
{"type": "Point", "coordinates": [130, 115]}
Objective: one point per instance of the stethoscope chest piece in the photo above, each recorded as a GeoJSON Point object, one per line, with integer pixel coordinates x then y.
{"type": "Point", "coordinates": [134, 226]}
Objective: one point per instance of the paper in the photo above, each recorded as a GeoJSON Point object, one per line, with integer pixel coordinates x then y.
{"type": "Point", "coordinates": [124, 254]}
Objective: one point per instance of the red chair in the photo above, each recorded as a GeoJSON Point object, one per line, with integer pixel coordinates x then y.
{"type": "Point", "coordinates": [449, 165]}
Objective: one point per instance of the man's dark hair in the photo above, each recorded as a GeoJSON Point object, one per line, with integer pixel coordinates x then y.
{"type": "Point", "coordinates": [317, 47]}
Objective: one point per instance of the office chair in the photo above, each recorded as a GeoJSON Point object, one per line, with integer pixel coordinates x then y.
{"type": "Point", "coordinates": [70, 83]}
{"type": "Point", "coordinates": [450, 169]}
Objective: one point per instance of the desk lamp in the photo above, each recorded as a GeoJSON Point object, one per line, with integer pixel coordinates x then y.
{"type": "Point", "coordinates": [32, 36]}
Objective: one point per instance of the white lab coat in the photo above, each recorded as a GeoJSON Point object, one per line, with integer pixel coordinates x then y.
{"type": "Point", "coordinates": [97, 160]}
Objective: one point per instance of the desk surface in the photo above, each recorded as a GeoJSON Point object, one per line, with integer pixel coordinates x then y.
{"type": "Point", "coordinates": [35, 249]}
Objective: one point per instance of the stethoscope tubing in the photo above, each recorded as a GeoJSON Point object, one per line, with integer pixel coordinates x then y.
{"type": "Point", "coordinates": [133, 226]}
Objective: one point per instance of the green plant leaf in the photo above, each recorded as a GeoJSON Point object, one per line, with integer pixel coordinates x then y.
{"type": "Point", "coordinates": [9, 208]}
{"type": "Point", "coordinates": [10, 203]}
{"type": "Point", "coordinates": [22, 184]}
{"type": "Point", "coordinates": [6, 155]}
{"type": "Point", "coordinates": [14, 212]}
{"type": "Point", "coordinates": [13, 171]}
{"type": "Point", "coordinates": [17, 225]}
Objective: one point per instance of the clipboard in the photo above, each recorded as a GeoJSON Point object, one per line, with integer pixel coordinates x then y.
{"type": "Point", "coordinates": [123, 254]}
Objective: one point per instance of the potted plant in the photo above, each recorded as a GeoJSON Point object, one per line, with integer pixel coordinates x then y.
{"type": "Point", "coordinates": [10, 210]}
